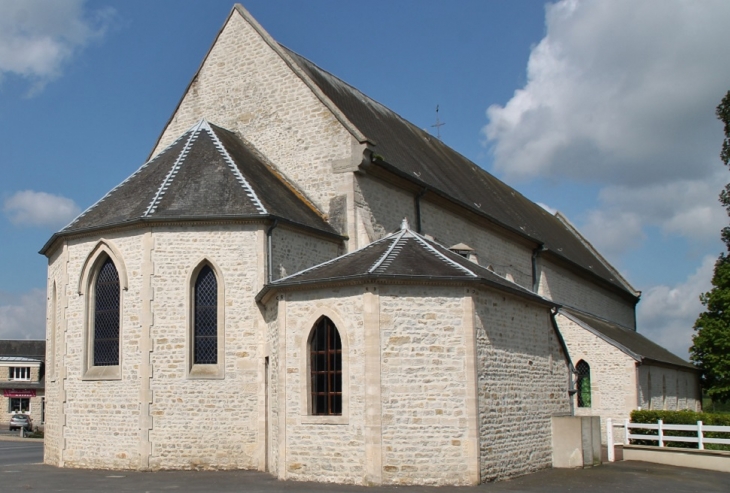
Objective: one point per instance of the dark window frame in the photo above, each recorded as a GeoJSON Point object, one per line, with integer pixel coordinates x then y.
{"type": "Point", "coordinates": [325, 369]}
{"type": "Point", "coordinates": [583, 384]}
{"type": "Point", "coordinates": [106, 314]}
{"type": "Point", "coordinates": [205, 317]}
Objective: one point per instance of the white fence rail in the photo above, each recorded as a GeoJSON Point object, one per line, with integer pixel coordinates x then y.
{"type": "Point", "coordinates": [700, 429]}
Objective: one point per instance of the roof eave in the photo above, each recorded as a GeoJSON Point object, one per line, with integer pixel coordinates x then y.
{"type": "Point", "coordinates": [269, 290]}
{"type": "Point", "coordinates": [423, 185]}
{"type": "Point", "coordinates": [47, 247]}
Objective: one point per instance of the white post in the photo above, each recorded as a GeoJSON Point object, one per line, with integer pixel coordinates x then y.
{"type": "Point", "coordinates": [700, 445]}
{"type": "Point", "coordinates": [626, 432]}
{"type": "Point", "coordinates": [609, 439]}
{"type": "Point", "coordinates": [21, 432]}
{"type": "Point", "coordinates": [661, 433]}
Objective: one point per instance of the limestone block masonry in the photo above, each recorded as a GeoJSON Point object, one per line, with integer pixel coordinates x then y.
{"type": "Point", "coordinates": [244, 85]}
{"type": "Point", "coordinates": [225, 433]}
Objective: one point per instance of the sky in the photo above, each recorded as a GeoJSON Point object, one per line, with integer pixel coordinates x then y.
{"type": "Point", "coordinates": [604, 111]}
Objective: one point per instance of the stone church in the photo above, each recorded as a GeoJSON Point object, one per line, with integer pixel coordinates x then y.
{"type": "Point", "coordinates": [301, 281]}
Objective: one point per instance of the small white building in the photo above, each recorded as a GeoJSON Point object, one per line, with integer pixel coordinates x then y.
{"type": "Point", "coordinates": [252, 297]}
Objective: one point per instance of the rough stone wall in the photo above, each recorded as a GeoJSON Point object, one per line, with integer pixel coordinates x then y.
{"type": "Point", "coordinates": [55, 346]}
{"type": "Point", "coordinates": [319, 448]}
{"type": "Point", "coordinates": [522, 382]}
{"type": "Point", "coordinates": [507, 258]}
{"type": "Point", "coordinates": [424, 390]}
{"type": "Point", "coordinates": [205, 423]}
{"type": "Point", "coordinates": [293, 251]}
{"type": "Point", "coordinates": [613, 375]}
{"type": "Point", "coordinates": [664, 388]}
{"type": "Point", "coordinates": [564, 287]}
{"type": "Point", "coordinates": [246, 87]}
{"type": "Point", "coordinates": [275, 403]}
{"type": "Point", "coordinates": [381, 208]}
{"type": "Point", "coordinates": [101, 417]}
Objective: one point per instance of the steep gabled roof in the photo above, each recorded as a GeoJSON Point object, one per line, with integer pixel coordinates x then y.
{"type": "Point", "coordinates": [631, 342]}
{"type": "Point", "coordinates": [401, 256]}
{"type": "Point", "coordinates": [405, 149]}
{"type": "Point", "coordinates": [207, 173]}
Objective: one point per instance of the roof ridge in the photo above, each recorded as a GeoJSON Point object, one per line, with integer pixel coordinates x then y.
{"type": "Point", "coordinates": [382, 258]}
{"type": "Point", "coordinates": [195, 131]}
{"type": "Point", "coordinates": [340, 257]}
{"type": "Point", "coordinates": [442, 256]}
{"type": "Point", "coordinates": [232, 165]}
{"type": "Point", "coordinates": [143, 166]}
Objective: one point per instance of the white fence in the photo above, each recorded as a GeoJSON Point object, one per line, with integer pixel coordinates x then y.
{"type": "Point", "coordinates": [700, 429]}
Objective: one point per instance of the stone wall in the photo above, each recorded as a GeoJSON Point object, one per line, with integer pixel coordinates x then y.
{"type": "Point", "coordinates": [613, 375]}
{"type": "Point", "coordinates": [565, 287]}
{"type": "Point", "coordinates": [322, 448]}
{"type": "Point", "coordinates": [100, 419]}
{"type": "Point", "coordinates": [666, 388]}
{"type": "Point", "coordinates": [293, 251]}
{"type": "Point", "coordinates": [425, 428]}
{"type": "Point", "coordinates": [245, 86]}
{"type": "Point", "coordinates": [156, 415]}
{"type": "Point", "coordinates": [522, 383]}
{"type": "Point", "coordinates": [57, 284]}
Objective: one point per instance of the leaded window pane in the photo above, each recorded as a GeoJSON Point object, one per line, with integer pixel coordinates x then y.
{"type": "Point", "coordinates": [206, 318]}
{"type": "Point", "coordinates": [584, 384]}
{"type": "Point", "coordinates": [106, 316]}
{"type": "Point", "coordinates": [326, 368]}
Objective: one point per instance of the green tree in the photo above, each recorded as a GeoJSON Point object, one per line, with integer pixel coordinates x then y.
{"type": "Point", "coordinates": [711, 343]}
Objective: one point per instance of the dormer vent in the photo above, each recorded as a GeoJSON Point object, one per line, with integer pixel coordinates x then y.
{"type": "Point", "coordinates": [465, 251]}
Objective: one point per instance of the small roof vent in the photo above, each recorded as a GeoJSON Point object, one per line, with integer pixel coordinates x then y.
{"type": "Point", "coordinates": [465, 251]}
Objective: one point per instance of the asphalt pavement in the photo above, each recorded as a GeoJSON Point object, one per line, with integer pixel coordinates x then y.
{"type": "Point", "coordinates": [21, 470]}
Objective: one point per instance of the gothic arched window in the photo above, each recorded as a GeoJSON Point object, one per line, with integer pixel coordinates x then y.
{"type": "Point", "coordinates": [583, 384]}
{"type": "Point", "coordinates": [106, 315]}
{"type": "Point", "coordinates": [205, 318]}
{"type": "Point", "coordinates": [325, 353]}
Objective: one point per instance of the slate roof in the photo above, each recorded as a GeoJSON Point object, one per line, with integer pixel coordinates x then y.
{"type": "Point", "coordinates": [17, 349]}
{"type": "Point", "coordinates": [416, 155]}
{"type": "Point", "coordinates": [406, 256]}
{"type": "Point", "coordinates": [635, 344]}
{"type": "Point", "coordinates": [207, 173]}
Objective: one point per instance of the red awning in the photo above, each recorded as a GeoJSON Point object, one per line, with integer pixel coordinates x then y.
{"type": "Point", "coordinates": [19, 392]}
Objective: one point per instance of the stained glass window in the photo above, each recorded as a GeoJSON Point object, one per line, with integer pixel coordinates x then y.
{"type": "Point", "coordinates": [584, 384]}
{"type": "Point", "coordinates": [325, 350]}
{"type": "Point", "coordinates": [205, 333]}
{"type": "Point", "coordinates": [106, 316]}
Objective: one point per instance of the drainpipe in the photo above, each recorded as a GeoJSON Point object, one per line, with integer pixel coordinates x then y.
{"type": "Point", "coordinates": [571, 368]}
{"type": "Point", "coordinates": [269, 260]}
{"type": "Point", "coordinates": [535, 254]}
{"type": "Point", "coordinates": [418, 208]}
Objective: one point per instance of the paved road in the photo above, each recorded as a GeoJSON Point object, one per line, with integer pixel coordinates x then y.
{"type": "Point", "coordinates": [624, 477]}
{"type": "Point", "coordinates": [25, 452]}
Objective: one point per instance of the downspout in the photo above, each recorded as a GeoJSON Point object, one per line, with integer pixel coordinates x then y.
{"type": "Point", "coordinates": [535, 254]}
{"type": "Point", "coordinates": [418, 208]}
{"type": "Point", "coordinates": [571, 368]}
{"type": "Point", "coordinates": [269, 260]}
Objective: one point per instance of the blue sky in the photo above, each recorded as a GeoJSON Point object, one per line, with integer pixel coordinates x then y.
{"type": "Point", "coordinates": [602, 110]}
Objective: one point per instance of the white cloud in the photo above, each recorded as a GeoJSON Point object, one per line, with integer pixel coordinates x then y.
{"type": "Point", "coordinates": [547, 208]}
{"type": "Point", "coordinates": [37, 37]}
{"type": "Point", "coordinates": [23, 316]}
{"type": "Point", "coordinates": [623, 94]}
{"type": "Point", "coordinates": [666, 314]}
{"type": "Point", "coordinates": [30, 208]}
{"type": "Point", "coordinates": [613, 233]}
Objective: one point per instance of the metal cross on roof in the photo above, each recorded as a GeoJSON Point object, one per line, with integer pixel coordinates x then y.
{"type": "Point", "coordinates": [438, 124]}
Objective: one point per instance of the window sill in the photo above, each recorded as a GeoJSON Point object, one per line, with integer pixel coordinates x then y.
{"type": "Point", "coordinates": [324, 420]}
{"type": "Point", "coordinates": [103, 373]}
{"type": "Point", "coordinates": [206, 372]}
